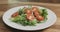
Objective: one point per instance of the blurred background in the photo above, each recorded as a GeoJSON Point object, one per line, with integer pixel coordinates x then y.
{"type": "Point", "coordinates": [42, 1]}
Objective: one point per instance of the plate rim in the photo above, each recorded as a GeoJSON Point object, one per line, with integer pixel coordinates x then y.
{"type": "Point", "coordinates": [29, 30]}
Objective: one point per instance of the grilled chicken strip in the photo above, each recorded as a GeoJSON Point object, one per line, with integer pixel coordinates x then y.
{"type": "Point", "coordinates": [36, 14]}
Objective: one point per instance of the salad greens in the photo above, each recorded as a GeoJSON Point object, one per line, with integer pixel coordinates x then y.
{"type": "Point", "coordinates": [21, 18]}
{"type": "Point", "coordinates": [44, 14]}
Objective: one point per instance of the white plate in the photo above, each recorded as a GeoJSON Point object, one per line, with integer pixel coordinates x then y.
{"type": "Point", "coordinates": [51, 20]}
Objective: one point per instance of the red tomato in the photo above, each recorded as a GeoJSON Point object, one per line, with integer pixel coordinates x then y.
{"type": "Point", "coordinates": [30, 17]}
{"type": "Point", "coordinates": [15, 14]}
{"type": "Point", "coordinates": [36, 14]}
{"type": "Point", "coordinates": [35, 11]}
{"type": "Point", "coordinates": [40, 18]}
{"type": "Point", "coordinates": [29, 12]}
